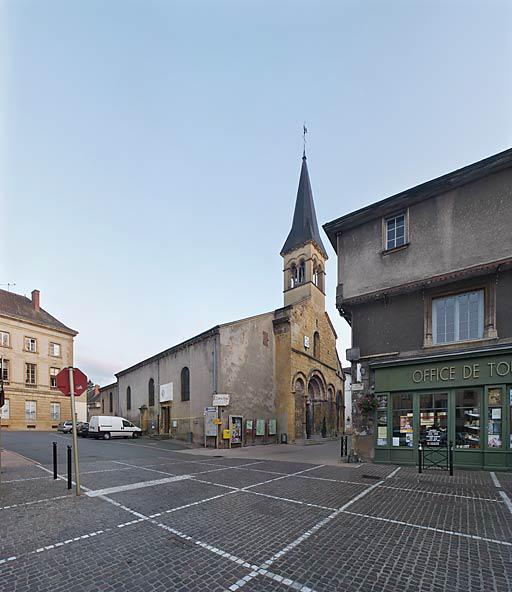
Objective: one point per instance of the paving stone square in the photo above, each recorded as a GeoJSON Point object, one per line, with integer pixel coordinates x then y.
{"type": "Point", "coordinates": [329, 528]}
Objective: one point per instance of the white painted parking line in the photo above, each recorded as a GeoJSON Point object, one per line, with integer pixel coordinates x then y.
{"type": "Point", "coordinates": [430, 528]}
{"type": "Point", "coordinates": [507, 501]}
{"type": "Point", "coordinates": [442, 493]}
{"type": "Point", "coordinates": [39, 501]}
{"type": "Point", "coordinates": [306, 535]}
{"type": "Point", "coordinates": [24, 479]}
{"type": "Point", "coordinates": [495, 479]}
{"type": "Point", "coordinates": [393, 473]}
{"type": "Point", "coordinates": [138, 485]}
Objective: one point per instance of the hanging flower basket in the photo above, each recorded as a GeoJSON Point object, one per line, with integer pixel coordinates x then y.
{"type": "Point", "coordinates": [367, 404]}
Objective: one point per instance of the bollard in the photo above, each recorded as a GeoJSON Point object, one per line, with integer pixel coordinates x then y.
{"type": "Point", "coordinates": [450, 453]}
{"type": "Point", "coordinates": [420, 459]}
{"type": "Point", "coordinates": [55, 476]}
{"type": "Point", "coordinates": [69, 468]}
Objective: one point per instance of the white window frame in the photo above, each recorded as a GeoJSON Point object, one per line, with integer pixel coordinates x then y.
{"type": "Point", "coordinates": [481, 316]}
{"type": "Point", "coordinates": [30, 410]}
{"type": "Point", "coordinates": [54, 376]}
{"type": "Point", "coordinates": [386, 244]}
{"type": "Point", "coordinates": [53, 415]}
{"type": "Point", "coordinates": [52, 350]}
{"type": "Point", "coordinates": [26, 374]}
{"type": "Point", "coordinates": [5, 410]}
{"type": "Point", "coordinates": [5, 339]}
{"type": "Point", "coordinates": [31, 344]}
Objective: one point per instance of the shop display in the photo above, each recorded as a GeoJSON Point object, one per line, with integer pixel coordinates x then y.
{"type": "Point", "coordinates": [494, 423]}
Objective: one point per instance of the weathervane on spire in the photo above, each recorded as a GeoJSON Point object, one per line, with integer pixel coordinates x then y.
{"type": "Point", "coordinates": [304, 132]}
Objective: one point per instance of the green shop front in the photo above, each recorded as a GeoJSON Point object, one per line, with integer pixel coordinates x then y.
{"type": "Point", "coordinates": [464, 399]}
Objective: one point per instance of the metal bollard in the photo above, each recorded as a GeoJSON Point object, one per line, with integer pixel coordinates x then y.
{"type": "Point", "coordinates": [420, 459]}
{"type": "Point", "coordinates": [70, 484]}
{"type": "Point", "coordinates": [55, 476]}
{"type": "Point", "coordinates": [450, 453]}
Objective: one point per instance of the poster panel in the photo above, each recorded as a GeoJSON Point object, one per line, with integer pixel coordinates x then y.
{"type": "Point", "coordinates": [260, 427]}
{"type": "Point", "coordinates": [272, 427]}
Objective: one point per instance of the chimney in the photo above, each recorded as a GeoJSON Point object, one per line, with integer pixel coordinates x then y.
{"type": "Point", "coordinates": [35, 299]}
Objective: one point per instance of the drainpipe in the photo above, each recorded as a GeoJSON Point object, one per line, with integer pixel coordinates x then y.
{"type": "Point", "coordinates": [215, 364]}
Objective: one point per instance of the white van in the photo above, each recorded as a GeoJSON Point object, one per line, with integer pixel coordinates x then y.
{"type": "Point", "coordinates": [107, 426]}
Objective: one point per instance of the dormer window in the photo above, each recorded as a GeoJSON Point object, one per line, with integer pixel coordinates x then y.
{"type": "Point", "coordinates": [395, 231]}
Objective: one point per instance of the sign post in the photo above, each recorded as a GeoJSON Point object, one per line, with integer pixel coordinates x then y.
{"type": "Point", "coordinates": [73, 382]}
{"type": "Point", "coordinates": [75, 439]}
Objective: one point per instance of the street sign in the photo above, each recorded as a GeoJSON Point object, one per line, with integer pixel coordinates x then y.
{"type": "Point", "coordinates": [220, 400]}
{"type": "Point", "coordinates": [79, 379]}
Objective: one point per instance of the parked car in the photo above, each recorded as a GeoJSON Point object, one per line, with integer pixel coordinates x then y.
{"type": "Point", "coordinates": [82, 429]}
{"type": "Point", "coordinates": [65, 426]}
{"type": "Point", "coordinates": [108, 426]}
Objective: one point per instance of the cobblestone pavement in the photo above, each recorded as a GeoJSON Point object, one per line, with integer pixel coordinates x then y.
{"type": "Point", "coordinates": [157, 519]}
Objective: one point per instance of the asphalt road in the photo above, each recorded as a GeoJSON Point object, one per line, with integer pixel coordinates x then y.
{"type": "Point", "coordinates": [38, 446]}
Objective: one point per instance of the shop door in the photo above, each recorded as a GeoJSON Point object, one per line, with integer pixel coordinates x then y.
{"type": "Point", "coordinates": [166, 424]}
{"type": "Point", "coordinates": [433, 418]}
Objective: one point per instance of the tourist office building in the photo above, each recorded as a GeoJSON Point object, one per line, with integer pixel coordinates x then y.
{"type": "Point", "coordinates": [425, 281]}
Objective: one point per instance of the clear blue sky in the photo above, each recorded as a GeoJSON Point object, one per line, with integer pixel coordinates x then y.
{"type": "Point", "coordinates": [151, 149]}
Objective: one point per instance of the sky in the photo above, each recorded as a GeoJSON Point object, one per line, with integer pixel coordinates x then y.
{"type": "Point", "coordinates": [150, 150]}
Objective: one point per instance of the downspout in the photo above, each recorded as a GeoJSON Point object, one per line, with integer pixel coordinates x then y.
{"type": "Point", "coordinates": [215, 357]}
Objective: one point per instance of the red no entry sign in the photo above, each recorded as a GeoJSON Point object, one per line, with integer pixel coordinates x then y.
{"type": "Point", "coordinates": [79, 381]}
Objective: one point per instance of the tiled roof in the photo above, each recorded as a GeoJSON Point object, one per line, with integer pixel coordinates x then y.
{"type": "Point", "coordinates": [20, 307]}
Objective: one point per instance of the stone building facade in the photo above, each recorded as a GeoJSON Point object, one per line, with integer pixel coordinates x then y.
{"type": "Point", "coordinates": [34, 347]}
{"type": "Point", "coordinates": [280, 367]}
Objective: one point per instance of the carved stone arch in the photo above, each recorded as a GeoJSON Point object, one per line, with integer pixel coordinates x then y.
{"type": "Point", "coordinates": [299, 389]}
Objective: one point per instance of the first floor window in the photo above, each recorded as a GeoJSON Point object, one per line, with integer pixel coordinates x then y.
{"type": "Point", "coordinates": [55, 349]}
{"type": "Point", "coordinates": [382, 420]}
{"type": "Point", "coordinates": [55, 411]}
{"type": "Point", "coordinates": [31, 344]}
{"type": "Point", "coordinates": [458, 318]}
{"type": "Point", "coordinates": [5, 339]}
{"type": "Point", "coordinates": [128, 398]}
{"type": "Point", "coordinates": [403, 424]}
{"type": "Point", "coordinates": [110, 403]}
{"type": "Point", "coordinates": [494, 417]}
{"type": "Point", "coordinates": [53, 377]}
{"type": "Point", "coordinates": [5, 370]}
{"type": "Point", "coordinates": [30, 410]}
{"type": "Point", "coordinates": [30, 375]}
{"type": "Point", "coordinates": [5, 410]}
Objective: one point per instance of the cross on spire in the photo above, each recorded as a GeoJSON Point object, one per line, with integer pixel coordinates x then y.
{"type": "Point", "coordinates": [304, 132]}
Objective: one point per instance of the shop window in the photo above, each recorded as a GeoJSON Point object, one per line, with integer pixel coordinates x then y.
{"type": "Point", "coordinates": [382, 420]}
{"type": "Point", "coordinates": [458, 318]}
{"type": "Point", "coordinates": [434, 419]}
{"type": "Point", "coordinates": [403, 430]}
{"type": "Point", "coordinates": [467, 419]}
{"type": "Point", "coordinates": [494, 417]}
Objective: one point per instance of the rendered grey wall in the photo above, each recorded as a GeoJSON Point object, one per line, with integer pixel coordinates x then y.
{"type": "Point", "coordinates": [458, 229]}
{"type": "Point", "coordinates": [384, 327]}
{"type": "Point", "coordinates": [247, 368]}
{"type": "Point", "coordinates": [138, 381]}
{"type": "Point", "coordinates": [504, 304]}
{"type": "Point", "coordinates": [381, 327]}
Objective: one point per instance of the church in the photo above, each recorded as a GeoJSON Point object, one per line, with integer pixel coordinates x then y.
{"type": "Point", "coordinates": [272, 377]}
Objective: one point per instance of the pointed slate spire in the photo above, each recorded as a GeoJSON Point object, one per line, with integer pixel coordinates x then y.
{"type": "Point", "coordinates": [304, 226]}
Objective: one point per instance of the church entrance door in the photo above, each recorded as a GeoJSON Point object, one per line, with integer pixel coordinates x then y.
{"type": "Point", "coordinates": [309, 419]}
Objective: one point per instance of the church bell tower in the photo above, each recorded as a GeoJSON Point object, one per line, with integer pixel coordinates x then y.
{"type": "Point", "coordinates": [303, 253]}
